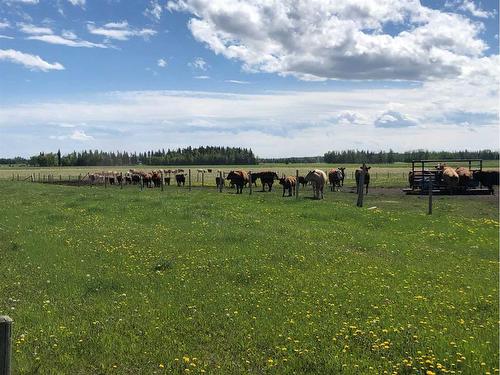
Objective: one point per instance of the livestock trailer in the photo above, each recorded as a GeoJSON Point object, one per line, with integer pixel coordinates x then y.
{"type": "Point", "coordinates": [425, 174]}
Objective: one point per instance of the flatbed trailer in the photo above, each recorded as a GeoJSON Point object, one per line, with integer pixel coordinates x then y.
{"type": "Point", "coordinates": [421, 177]}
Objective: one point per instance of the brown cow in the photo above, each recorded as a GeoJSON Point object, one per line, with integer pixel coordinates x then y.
{"type": "Point", "coordinates": [464, 176]}
{"type": "Point", "coordinates": [239, 179]}
{"type": "Point", "coordinates": [448, 176]}
{"type": "Point", "coordinates": [289, 183]}
{"type": "Point", "coordinates": [336, 178]}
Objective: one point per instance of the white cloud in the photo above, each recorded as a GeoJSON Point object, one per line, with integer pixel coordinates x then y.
{"type": "Point", "coordinates": [279, 123]}
{"type": "Point", "coordinates": [236, 81]}
{"type": "Point", "coordinates": [5, 37]}
{"type": "Point", "coordinates": [76, 135]}
{"type": "Point", "coordinates": [198, 63]}
{"type": "Point", "coordinates": [33, 30]}
{"type": "Point", "coordinates": [80, 3]}
{"type": "Point", "coordinates": [23, 1]}
{"type": "Point", "coordinates": [342, 39]}
{"type": "Point", "coordinates": [154, 10]}
{"type": "Point", "coordinates": [469, 6]}
{"type": "Point", "coordinates": [162, 63]}
{"type": "Point", "coordinates": [32, 62]}
{"type": "Point", "coordinates": [394, 119]}
{"type": "Point", "coordinates": [4, 24]}
{"type": "Point", "coordinates": [69, 42]}
{"type": "Point", "coordinates": [201, 77]}
{"type": "Point", "coordinates": [119, 31]}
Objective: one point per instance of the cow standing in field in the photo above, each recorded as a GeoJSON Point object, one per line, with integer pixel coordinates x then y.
{"type": "Point", "coordinates": [180, 179]}
{"type": "Point", "coordinates": [487, 178]}
{"type": "Point", "coordinates": [363, 169]}
{"type": "Point", "coordinates": [318, 180]}
{"type": "Point", "coordinates": [289, 183]}
{"type": "Point", "coordinates": [267, 178]}
{"type": "Point", "coordinates": [336, 178]}
{"type": "Point", "coordinates": [238, 179]}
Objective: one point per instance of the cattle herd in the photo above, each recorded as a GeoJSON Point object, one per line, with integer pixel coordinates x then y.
{"type": "Point", "coordinates": [238, 179]}
{"type": "Point", "coordinates": [455, 179]}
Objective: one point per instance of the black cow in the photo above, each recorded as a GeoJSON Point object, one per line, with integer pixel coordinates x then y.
{"type": "Point", "coordinates": [180, 179]}
{"type": "Point", "coordinates": [487, 178]}
{"type": "Point", "coordinates": [239, 179]}
{"type": "Point", "coordinates": [267, 178]}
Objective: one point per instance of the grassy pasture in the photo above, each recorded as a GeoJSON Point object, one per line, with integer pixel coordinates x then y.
{"type": "Point", "coordinates": [128, 282]}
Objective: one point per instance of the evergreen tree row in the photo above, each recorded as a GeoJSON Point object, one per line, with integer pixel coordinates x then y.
{"type": "Point", "coordinates": [186, 156]}
{"type": "Point", "coordinates": [388, 157]}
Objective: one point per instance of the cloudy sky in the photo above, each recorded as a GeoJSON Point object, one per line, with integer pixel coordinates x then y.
{"type": "Point", "coordinates": [286, 78]}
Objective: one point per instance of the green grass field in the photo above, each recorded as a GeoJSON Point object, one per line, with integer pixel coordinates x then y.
{"type": "Point", "coordinates": [105, 281]}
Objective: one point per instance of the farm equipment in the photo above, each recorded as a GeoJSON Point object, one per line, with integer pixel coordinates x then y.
{"type": "Point", "coordinates": [425, 175]}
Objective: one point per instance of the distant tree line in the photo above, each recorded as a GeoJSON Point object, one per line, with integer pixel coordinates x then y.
{"type": "Point", "coordinates": [234, 155]}
{"type": "Point", "coordinates": [388, 157]}
{"type": "Point", "coordinates": [185, 156]}
{"type": "Point", "coordinates": [293, 160]}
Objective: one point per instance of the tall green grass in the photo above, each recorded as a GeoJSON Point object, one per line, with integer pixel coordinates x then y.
{"type": "Point", "coordinates": [122, 281]}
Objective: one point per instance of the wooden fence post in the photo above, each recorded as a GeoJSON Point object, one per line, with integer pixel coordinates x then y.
{"type": "Point", "coordinates": [121, 180]}
{"type": "Point", "coordinates": [250, 181]}
{"type": "Point", "coordinates": [360, 188]}
{"type": "Point", "coordinates": [189, 179]}
{"type": "Point", "coordinates": [142, 183]}
{"type": "Point", "coordinates": [429, 212]}
{"type": "Point", "coordinates": [297, 184]}
{"type": "Point", "coordinates": [105, 182]}
{"type": "Point", "coordinates": [5, 344]}
{"type": "Point", "coordinates": [221, 182]}
{"type": "Point", "coordinates": [162, 181]}
{"type": "Point", "coordinates": [203, 178]}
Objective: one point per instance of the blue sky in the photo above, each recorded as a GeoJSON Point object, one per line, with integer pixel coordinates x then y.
{"type": "Point", "coordinates": [289, 78]}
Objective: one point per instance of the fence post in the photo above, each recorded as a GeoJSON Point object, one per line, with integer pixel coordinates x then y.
{"type": "Point", "coordinates": [105, 182]}
{"type": "Point", "coordinates": [142, 183]}
{"type": "Point", "coordinates": [18, 177]}
{"type": "Point", "coordinates": [250, 181]}
{"type": "Point", "coordinates": [429, 212]}
{"type": "Point", "coordinates": [297, 184]}
{"type": "Point", "coordinates": [360, 188]}
{"type": "Point", "coordinates": [189, 179]}
{"type": "Point", "coordinates": [221, 183]}
{"type": "Point", "coordinates": [162, 181]}
{"type": "Point", "coordinates": [121, 180]}
{"type": "Point", "coordinates": [5, 344]}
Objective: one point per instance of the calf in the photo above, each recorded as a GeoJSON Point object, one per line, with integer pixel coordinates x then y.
{"type": "Point", "coordinates": [289, 183]}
